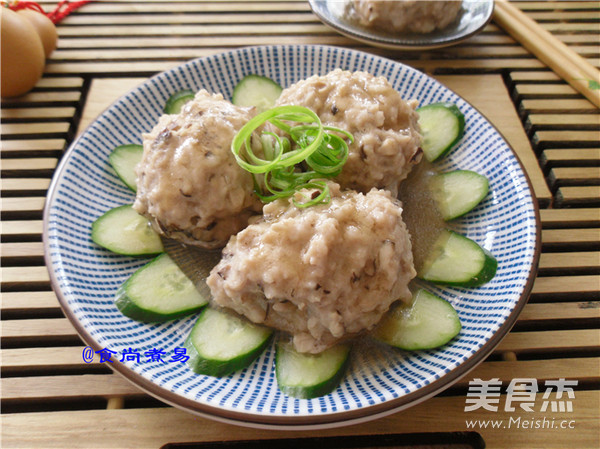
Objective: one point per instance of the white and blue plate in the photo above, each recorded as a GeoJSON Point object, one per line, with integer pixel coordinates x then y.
{"type": "Point", "coordinates": [380, 381]}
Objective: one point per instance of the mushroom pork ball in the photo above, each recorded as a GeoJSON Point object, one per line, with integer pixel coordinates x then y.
{"type": "Point", "coordinates": [406, 16]}
{"type": "Point", "coordinates": [188, 183]}
{"type": "Point", "coordinates": [386, 132]}
{"type": "Point", "coordinates": [321, 273]}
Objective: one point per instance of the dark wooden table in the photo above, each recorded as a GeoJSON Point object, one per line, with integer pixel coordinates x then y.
{"type": "Point", "coordinates": [51, 398]}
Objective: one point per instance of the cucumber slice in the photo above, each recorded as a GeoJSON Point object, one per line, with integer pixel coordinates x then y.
{"type": "Point", "coordinates": [459, 261]}
{"type": "Point", "coordinates": [124, 159]}
{"type": "Point", "coordinates": [221, 343]}
{"type": "Point", "coordinates": [428, 322]}
{"type": "Point", "coordinates": [458, 192]}
{"type": "Point", "coordinates": [256, 90]}
{"type": "Point", "coordinates": [177, 100]}
{"type": "Point", "coordinates": [159, 291]}
{"type": "Point", "coordinates": [442, 126]}
{"type": "Point", "coordinates": [308, 376]}
{"type": "Point", "coordinates": [123, 231]}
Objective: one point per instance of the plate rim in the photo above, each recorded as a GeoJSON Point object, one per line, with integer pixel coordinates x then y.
{"type": "Point", "coordinates": [297, 422]}
{"type": "Point", "coordinates": [391, 43]}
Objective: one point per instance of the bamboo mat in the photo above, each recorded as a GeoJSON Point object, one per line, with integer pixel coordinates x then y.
{"type": "Point", "coordinates": [51, 398]}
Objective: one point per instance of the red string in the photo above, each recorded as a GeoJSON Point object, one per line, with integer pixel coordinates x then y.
{"type": "Point", "coordinates": [67, 8]}
{"type": "Point", "coordinates": [26, 5]}
{"type": "Point", "coordinates": [62, 10]}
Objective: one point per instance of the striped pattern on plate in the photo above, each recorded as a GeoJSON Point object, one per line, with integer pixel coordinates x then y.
{"type": "Point", "coordinates": [380, 379]}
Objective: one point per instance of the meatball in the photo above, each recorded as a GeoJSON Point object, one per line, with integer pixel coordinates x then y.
{"type": "Point", "coordinates": [321, 273]}
{"type": "Point", "coordinates": [385, 127]}
{"type": "Point", "coordinates": [189, 183]}
{"type": "Point", "coordinates": [406, 16]}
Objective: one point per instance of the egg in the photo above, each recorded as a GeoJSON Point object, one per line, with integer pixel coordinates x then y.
{"type": "Point", "coordinates": [44, 27]}
{"type": "Point", "coordinates": [22, 54]}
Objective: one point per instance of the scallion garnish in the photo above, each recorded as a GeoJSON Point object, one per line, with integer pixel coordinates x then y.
{"type": "Point", "coordinates": [302, 159]}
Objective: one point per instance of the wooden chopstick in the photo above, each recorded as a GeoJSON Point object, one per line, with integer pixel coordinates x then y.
{"type": "Point", "coordinates": [567, 64]}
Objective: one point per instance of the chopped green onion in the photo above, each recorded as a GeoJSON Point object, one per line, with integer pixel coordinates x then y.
{"type": "Point", "coordinates": [283, 161]}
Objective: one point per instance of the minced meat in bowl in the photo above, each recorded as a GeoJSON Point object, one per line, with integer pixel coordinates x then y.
{"type": "Point", "coordinates": [187, 155]}
{"type": "Point", "coordinates": [85, 278]}
{"type": "Point", "coordinates": [323, 273]}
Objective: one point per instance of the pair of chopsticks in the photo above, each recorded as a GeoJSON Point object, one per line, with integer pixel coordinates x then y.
{"type": "Point", "coordinates": [567, 64]}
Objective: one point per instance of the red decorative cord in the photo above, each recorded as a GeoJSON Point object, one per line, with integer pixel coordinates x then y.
{"type": "Point", "coordinates": [17, 5]}
{"type": "Point", "coordinates": [67, 8]}
{"type": "Point", "coordinates": [62, 10]}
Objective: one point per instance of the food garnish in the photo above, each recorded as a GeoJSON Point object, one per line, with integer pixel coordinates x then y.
{"type": "Point", "coordinates": [291, 154]}
{"type": "Point", "coordinates": [284, 165]}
